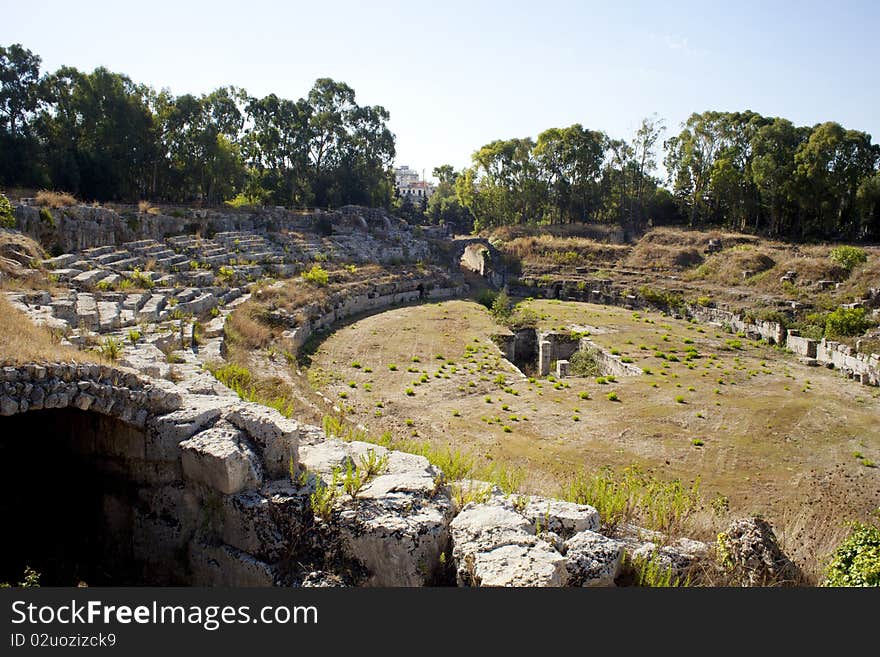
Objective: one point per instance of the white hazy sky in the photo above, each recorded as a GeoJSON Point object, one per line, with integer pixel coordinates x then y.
{"type": "Point", "coordinates": [455, 75]}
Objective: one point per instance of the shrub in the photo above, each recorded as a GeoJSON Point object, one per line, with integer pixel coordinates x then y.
{"type": "Point", "coordinates": [46, 217]}
{"type": "Point", "coordinates": [661, 298]}
{"type": "Point", "coordinates": [856, 561]}
{"type": "Point", "coordinates": [845, 322]}
{"type": "Point", "coordinates": [652, 571]}
{"type": "Point", "coordinates": [501, 307]}
{"type": "Point", "coordinates": [612, 396]}
{"type": "Point", "coordinates": [111, 348]}
{"type": "Point", "coordinates": [242, 200]}
{"type": "Point", "coordinates": [486, 297]}
{"type": "Point", "coordinates": [316, 275]}
{"type": "Point", "coordinates": [848, 256]}
{"type": "Point", "coordinates": [7, 218]}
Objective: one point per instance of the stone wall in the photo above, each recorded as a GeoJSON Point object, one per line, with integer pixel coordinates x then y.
{"type": "Point", "coordinates": [367, 298]}
{"type": "Point", "coordinates": [773, 332]}
{"type": "Point", "coordinates": [553, 346]}
{"type": "Point", "coordinates": [799, 345]}
{"type": "Point", "coordinates": [609, 364]}
{"type": "Point", "coordinates": [861, 367]}
{"type": "Point", "coordinates": [192, 460]}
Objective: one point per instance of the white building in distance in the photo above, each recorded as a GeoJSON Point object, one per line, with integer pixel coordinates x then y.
{"type": "Point", "coordinates": [410, 185]}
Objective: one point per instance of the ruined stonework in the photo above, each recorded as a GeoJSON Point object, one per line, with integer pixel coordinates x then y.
{"type": "Point", "coordinates": [220, 493]}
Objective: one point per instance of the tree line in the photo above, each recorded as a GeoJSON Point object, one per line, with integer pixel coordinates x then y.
{"type": "Point", "coordinates": [103, 137]}
{"type": "Point", "coordinates": [736, 170]}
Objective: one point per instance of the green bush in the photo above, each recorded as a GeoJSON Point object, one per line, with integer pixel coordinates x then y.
{"type": "Point", "coordinates": [848, 256]}
{"type": "Point", "coordinates": [317, 275]}
{"type": "Point", "coordinates": [501, 306]}
{"type": "Point", "coordinates": [7, 218]}
{"type": "Point", "coordinates": [584, 363]}
{"type": "Point", "coordinates": [856, 561]}
{"type": "Point", "coordinates": [661, 298]}
{"type": "Point", "coordinates": [845, 322]}
{"type": "Point", "coordinates": [486, 297]}
{"type": "Point", "coordinates": [46, 217]}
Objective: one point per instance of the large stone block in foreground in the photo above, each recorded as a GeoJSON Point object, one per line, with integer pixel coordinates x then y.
{"type": "Point", "coordinates": [221, 459]}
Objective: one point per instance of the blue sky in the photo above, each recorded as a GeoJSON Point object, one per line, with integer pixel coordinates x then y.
{"type": "Point", "coordinates": [456, 75]}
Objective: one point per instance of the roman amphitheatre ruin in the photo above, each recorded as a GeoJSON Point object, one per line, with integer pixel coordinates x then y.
{"type": "Point", "coordinates": [261, 396]}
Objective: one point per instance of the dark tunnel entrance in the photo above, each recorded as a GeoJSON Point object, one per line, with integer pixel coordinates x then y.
{"type": "Point", "coordinates": [67, 502]}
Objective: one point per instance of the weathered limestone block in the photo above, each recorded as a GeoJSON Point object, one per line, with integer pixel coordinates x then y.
{"type": "Point", "coordinates": [227, 566]}
{"type": "Point", "coordinates": [166, 432]}
{"type": "Point", "coordinates": [108, 313]}
{"type": "Point", "coordinates": [679, 556]}
{"type": "Point", "coordinates": [398, 525]}
{"type": "Point", "coordinates": [87, 311]}
{"type": "Point", "coordinates": [267, 525]}
{"type": "Point", "coordinates": [593, 559]}
{"type": "Point", "coordinates": [515, 565]}
{"type": "Point", "coordinates": [221, 458]}
{"type": "Point", "coordinates": [493, 545]}
{"type": "Point", "coordinates": [749, 548]}
{"type": "Point", "coordinates": [89, 278]}
{"type": "Point", "coordinates": [324, 456]}
{"type": "Point", "coordinates": [275, 436]}
{"type": "Point", "coordinates": [563, 518]}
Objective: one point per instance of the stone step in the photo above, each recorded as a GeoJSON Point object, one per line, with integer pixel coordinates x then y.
{"type": "Point", "coordinates": [127, 318]}
{"type": "Point", "coordinates": [172, 260]}
{"type": "Point", "coordinates": [108, 313]}
{"type": "Point", "coordinates": [129, 263]}
{"type": "Point", "coordinates": [98, 251]}
{"type": "Point", "coordinates": [64, 309]}
{"type": "Point", "coordinates": [110, 281]}
{"type": "Point", "coordinates": [66, 274]}
{"type": "Point", "coordinates": [89, 278]}
{"type": "Point", "coordinates": [139, 245]}
{"type": "Point", "coordinates": [149, 312]}
{"type": "Point", "coordinates": [136, 301]}
{"type": "Point", "coordinates": [61, 261]}
{"type": "Point", "coordinates": [111, 257]}
{"type": "Point", "coordinates": [201, 304]}
{"type": "Point", "coordinates": [86, 311]}
{"type": "Point", "coordinates": [187, 295]}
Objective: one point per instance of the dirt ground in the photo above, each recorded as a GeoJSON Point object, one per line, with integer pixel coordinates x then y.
{"type": "Point", "coordinates": [776, 435]}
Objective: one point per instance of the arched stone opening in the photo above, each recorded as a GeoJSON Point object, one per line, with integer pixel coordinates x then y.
{"type": "Point", "coordinates": [76, 501]}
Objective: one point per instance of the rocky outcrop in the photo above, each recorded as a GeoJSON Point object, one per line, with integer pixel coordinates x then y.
{"type": "Point", "coordinates": [532, 541]}
{"type": "Point", "coordinates": [749, 549]}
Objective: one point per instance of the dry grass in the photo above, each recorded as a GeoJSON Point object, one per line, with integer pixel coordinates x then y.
{"type": "Point", "coordinates": [548, 249]}
{"type": "Point", "coordinates": [148, 208]}
{"type": "Point", "coordinates": [19, 262]}
{"type": "Point", "coordinates": [596, 232]}
{"type": "Point", "coordinates": [243, 329]}
{"type": "Point", "coordinates": [662, 257]}
{"type": "Point", "coordinates": [21, 341]}
{"type": "Point", "coordinates": [727, 267]}
{"type": "Point", "coordinates": [809, 536]}
{"type": "Point", "coordinates": [863, 277]}
{"type": "Point", "coordinates": [50, 199]}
